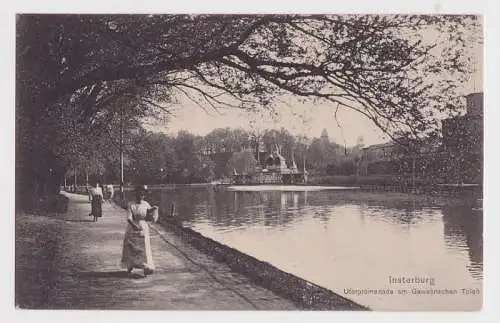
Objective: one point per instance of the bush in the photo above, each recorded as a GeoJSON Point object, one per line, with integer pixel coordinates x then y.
{"type": "Point", "coordinates": [344, 180]}
{"type": "Point", "coordinates": [345, 168]}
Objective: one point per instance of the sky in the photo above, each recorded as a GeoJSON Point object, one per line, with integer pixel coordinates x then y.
{"type": "Point", "coordinates": [195, 119]}
{"type": "Point", "coordinates": [351, 125]}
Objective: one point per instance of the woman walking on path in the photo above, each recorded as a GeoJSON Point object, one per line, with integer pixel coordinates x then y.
{"type": "Point", "coordinates": [137, 243]}
{"type": "Point", "coordinates": [96, 197]}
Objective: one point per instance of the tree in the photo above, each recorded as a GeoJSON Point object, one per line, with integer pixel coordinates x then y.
{"type": "Point", "coordinates": [188, 161]}
{"type": "Point", "coordinates": [372, 64]}
{"type": "Point", "coordinates": [242, 162]}
{"type": "Point", "coordinates": [207, 170]}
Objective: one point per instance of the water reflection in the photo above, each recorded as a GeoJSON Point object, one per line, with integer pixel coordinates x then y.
{"type": "Point", "coordinates": [232, 209]}
{"type": "Point", "coordinates": [339, 239]}
{"type": "Point", "coordinates": [463, 232]}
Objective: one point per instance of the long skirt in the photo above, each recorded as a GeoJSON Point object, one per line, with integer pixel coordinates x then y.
{"type": "Point", "coordinates": [97, 206]}
{"type": "Point", "coordinates": [137, 248]}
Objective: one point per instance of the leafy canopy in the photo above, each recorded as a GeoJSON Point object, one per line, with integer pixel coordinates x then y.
{"type": "Point", "coordinates": [400, 71]}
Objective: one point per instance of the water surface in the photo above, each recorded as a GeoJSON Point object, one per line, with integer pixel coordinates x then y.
{"type": "Point", "coordinates": [347, 241]}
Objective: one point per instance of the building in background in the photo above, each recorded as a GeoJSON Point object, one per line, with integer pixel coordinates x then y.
{"type": "Point", "coordinates": [457, 158]}
{"type": "Point", "coordinates": [379, 159]}
{"type": "Point", "coordinates": [463, 142]}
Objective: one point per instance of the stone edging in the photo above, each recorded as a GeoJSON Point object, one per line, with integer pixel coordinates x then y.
{"type": "Point", "coordinates": [304, 293]}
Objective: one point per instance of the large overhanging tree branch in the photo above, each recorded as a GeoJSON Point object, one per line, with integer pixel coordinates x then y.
{"type": "Point", "coordinates": [393, 69]}
{"type": "Point", "coordinates": [383, 69]}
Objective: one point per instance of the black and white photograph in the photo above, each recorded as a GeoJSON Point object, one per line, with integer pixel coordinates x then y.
{"type": "Point", "coordinates": [249, 161]}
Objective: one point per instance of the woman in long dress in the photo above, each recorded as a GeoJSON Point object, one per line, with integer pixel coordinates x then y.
{"type": "Point", "coordinates": [96, 196]}
{"type": "Point", "coordinates": [137, 243]}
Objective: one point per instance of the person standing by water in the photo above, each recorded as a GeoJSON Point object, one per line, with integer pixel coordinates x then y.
{"type": "Point", "coordinates": [96, 197]}
{"type": "Point", "coordinates": [137, 243]}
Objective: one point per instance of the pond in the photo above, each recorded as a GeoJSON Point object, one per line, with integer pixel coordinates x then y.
{"type": "Point", "coordinates": [350, 242]}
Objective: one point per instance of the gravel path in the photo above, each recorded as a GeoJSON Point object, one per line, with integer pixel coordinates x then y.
{"type": "Point", "coordinates": [66, 261]}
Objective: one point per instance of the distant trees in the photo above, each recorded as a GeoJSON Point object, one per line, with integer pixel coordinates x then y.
{"type": "Point", "coordinates": [323, 154]}
{"type": "Point", "coordinates": [242, 162]}
{"type": "Point", "coordinates": [151, 158]}
{"type": "Point", "coordinates": [187, 158]}
{"type": "Point", "coordinates": [226, 140]}
{"type": "Point", "coordinates": [159, 158]}
{"type": "Point", "coordinates": [88, 68]}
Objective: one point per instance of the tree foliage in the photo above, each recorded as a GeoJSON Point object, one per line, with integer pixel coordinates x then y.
{"type": "Point", "coordinates": [242, 163]}
{"type": "Point", "coordinates": [388, 67]}
{"type": "Point", "coordinates": [393, 69]}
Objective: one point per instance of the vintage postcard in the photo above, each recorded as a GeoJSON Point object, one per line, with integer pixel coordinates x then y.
{"type": "Point", "coordinates": [285, 162]}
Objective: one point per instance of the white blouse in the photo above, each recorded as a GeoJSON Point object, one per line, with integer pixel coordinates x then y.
{"type": "Point", "coordinates": [96, 191]}
{"type": "Point", "coordinates": [138, 212]}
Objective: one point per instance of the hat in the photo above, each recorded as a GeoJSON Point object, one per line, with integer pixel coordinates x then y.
{"type": "Point", "coordinates": [141, 189]}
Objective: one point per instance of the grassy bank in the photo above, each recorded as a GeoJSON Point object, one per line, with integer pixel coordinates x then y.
{"type": "Point", "coordinates": [377, 197]}
{"type": "Point", "coordinates": [351, 180]}
{"type": "Point", "coordinates": [53, 203]}
{"type": "Point", "coordinates": [389, 183]}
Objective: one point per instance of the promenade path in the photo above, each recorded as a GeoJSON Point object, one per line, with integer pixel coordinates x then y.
{"type": "Point", "coordinates": [66, 261]}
